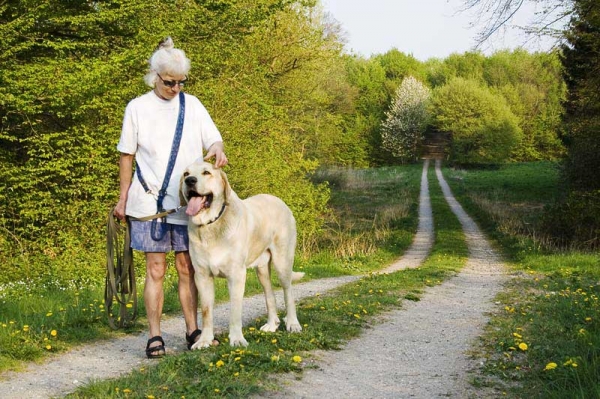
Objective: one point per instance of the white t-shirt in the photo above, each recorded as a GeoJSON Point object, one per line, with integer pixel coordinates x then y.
{"type": "Point", "coordinates": [148, 130]}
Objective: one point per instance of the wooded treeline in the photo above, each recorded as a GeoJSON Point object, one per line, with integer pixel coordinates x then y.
{"type": "Point", "coordinates": [275, 78]}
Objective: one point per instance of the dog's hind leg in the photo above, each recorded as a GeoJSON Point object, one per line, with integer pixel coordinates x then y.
{"type": "Point", "coordinates": [263, 272]}
{"type": "Point", "coordinates": [283, 263]}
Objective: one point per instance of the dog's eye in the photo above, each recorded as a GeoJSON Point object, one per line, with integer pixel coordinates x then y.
{"type": "Point", "coordinates": [186, 174]}
{"type": "Point", "coordinates": [206, 172]}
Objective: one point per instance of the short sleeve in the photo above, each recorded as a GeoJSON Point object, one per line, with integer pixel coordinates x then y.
{"type": "Point", "coordinates": [128, 141]}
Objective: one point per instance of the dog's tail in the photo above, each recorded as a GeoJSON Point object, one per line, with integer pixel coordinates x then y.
{"type": "Point", "coordinates": [297, 276]}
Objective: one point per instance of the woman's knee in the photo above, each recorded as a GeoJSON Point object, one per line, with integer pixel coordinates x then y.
{"type": "Point", "coordinates": [156, 267]}
{"type": "Point", "coordinates": [183, 264]}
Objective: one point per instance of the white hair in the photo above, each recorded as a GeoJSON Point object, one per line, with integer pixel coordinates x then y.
{"type": "Point", "coordinates": [167, 60]}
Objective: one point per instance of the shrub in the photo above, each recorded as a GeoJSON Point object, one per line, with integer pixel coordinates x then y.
{"type": "Point", "coordinates": [484, 130]}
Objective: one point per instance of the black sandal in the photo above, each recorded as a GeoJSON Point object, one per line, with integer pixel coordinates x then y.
{"type": "Point", "coordinates": [191, 339]}
{"type": "Point", "coordinates": [152, 352]}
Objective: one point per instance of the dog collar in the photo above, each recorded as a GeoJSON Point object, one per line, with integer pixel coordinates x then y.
{"type": "Point", "coordinates": [218, 216]}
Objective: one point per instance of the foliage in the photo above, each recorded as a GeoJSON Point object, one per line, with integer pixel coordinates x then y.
{"type": "Point", "coordinates": [483, 128]}
{"type": "Point", "coordinates": [407, 119]}
{"type": "Point", "coordinates": [368, 78]}
{"type": "Point", "coordinates": [75, 65]}
{"type": "Point", "coordinates": [533, 88]}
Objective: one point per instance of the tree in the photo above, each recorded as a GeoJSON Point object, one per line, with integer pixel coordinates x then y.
{"type": "Point", "coordinates": [493, 16]}
{"type": "Point", "coordinates": [575, 221]}
{"type": "Point", "coordinates": [483, 128]}
{"type": "Point", "coordinates": [581, 61]}
{"type": "Point", "coordinates": [407, 119]}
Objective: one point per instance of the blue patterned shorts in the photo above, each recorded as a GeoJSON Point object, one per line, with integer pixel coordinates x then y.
{"type": "Point", "coordinates": [175, 237]}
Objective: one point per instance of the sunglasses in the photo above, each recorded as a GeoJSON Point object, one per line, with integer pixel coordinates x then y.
{"type": "Point", "coordinates": [172, 83]}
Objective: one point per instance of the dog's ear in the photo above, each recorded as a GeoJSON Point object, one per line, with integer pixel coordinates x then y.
{"type": "Point", "coordinates": [182, 201]}
{"type": "Point", "coordinates": [226, 186]}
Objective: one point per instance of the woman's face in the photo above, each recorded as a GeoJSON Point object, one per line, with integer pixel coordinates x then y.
{"type": "Point", "coordinates": [168, 86]}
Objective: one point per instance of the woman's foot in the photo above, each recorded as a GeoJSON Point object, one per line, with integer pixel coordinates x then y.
{"type": "Point", "coordinates": [155, 348]}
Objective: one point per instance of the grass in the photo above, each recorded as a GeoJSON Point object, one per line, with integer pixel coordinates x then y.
{"type": "Point", "coordinates": [329, 319]}
{"type": "Point", "coordinates": [545, 343]}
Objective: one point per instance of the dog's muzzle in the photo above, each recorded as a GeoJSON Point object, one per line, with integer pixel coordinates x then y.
{"type": "Point", "coordinates": [196, 201]}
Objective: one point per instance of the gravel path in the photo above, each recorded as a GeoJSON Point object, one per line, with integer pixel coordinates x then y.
{"type": "Point", "coordinates": [417, 352]}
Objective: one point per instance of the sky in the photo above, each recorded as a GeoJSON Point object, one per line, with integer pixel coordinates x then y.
{"type": "Point", "coordinates": [423, 28]}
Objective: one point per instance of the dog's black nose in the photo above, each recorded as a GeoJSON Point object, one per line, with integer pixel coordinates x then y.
{"type": "Point", "coordinates": [190, 181]}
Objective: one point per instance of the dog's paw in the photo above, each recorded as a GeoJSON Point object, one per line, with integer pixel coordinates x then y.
{"type": "Point", "coordinates": [292, 325]}
{"type": "Point", "coordinates": [271, 326]}
{"type": "Point", "coordinates": [238, 341]}
{"type": "Point", "coordinates": [202, 343]}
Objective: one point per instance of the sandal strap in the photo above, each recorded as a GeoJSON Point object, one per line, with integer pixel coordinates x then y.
{"type": "Point", "coordinates": [152, 340]}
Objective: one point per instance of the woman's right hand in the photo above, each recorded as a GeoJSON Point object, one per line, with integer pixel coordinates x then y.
{"type": "Point", "coordinates": [119, 211]}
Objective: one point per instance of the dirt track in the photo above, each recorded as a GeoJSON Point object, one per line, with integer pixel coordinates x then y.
{"type": "Point", "coordinates": [419, 351]}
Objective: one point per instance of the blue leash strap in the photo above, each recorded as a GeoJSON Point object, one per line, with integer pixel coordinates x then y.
{"type": "Point", "coordinates": [158, 234]}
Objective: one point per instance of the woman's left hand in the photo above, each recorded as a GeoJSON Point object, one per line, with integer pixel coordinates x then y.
{"type": "Point", "coordinates": [218, 152]}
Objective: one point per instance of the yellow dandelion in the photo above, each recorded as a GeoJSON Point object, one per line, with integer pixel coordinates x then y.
{"type": "Point", "coordinates": [523, 346]}
{"type": "Point", "coordinates": [252, 329]}
{"type": "Point", "coordinates": [237, 359]}
{"type": "Point", "coordinates": [220, 363]}
{"type": "Point", "coordinates": [296, 359]}
{"type": "Point", "coordinates": [126, 390]}
{"type": "Point", "coordinates": [217, 390]}
{"type": "Point", "coordinates": [48, 347]}
{"type": "Point", "coordinates": [150, 397]}
{"type": "Point", "coordinates": [582, 331]}
{"type": "Point", "coordinates": [237, 373]}
{"type": "Point", "coordinates": [129, 306]}
{"type": "Point", "coordinates": [53, 333]}
{"type": "Point", "coordinates": [550, 366]}
{"type": "Point", "coordinates": [48, 314]}
{"type": "Point", "coordinates": [357, 315]}
{"type": "Point", "coordinates": [274, 341]}
{"type": "Point", "coordinates": [274, 358]}
{"type": "Point", "coordinates": [588, 319]}
{"type": "Point", "coordinates": [517, 335]}
{"type": "Point", "coordinates": [25, 328]}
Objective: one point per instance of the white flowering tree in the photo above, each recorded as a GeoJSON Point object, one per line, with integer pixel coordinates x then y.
{"type": "Point", "coordinates": [402, 131]}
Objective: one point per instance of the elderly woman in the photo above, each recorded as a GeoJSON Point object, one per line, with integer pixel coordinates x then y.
{"type": "Point", "coordinates": [165, 130]}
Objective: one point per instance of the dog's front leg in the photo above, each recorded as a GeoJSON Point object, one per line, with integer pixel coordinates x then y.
{"type": "Point", "coordinates": [236, 284]}
{"type": "Point", "coordinates": [206, 288]}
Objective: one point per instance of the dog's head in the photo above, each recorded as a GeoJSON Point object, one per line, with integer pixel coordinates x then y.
{"type": "Point", "coordinates": [202, 185]}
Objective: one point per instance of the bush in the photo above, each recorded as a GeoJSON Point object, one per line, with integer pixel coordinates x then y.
{"type": "Point", "coordinates": [484, 130]}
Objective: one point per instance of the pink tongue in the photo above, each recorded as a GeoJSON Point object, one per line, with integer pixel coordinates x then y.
{"type": "Point", "coordinates": [195, 205]}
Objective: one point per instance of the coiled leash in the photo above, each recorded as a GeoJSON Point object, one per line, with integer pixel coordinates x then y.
{"type": "Point", "coordinates": [120, 272]}
{"type": "Point", "coordinates": [120, 275]}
